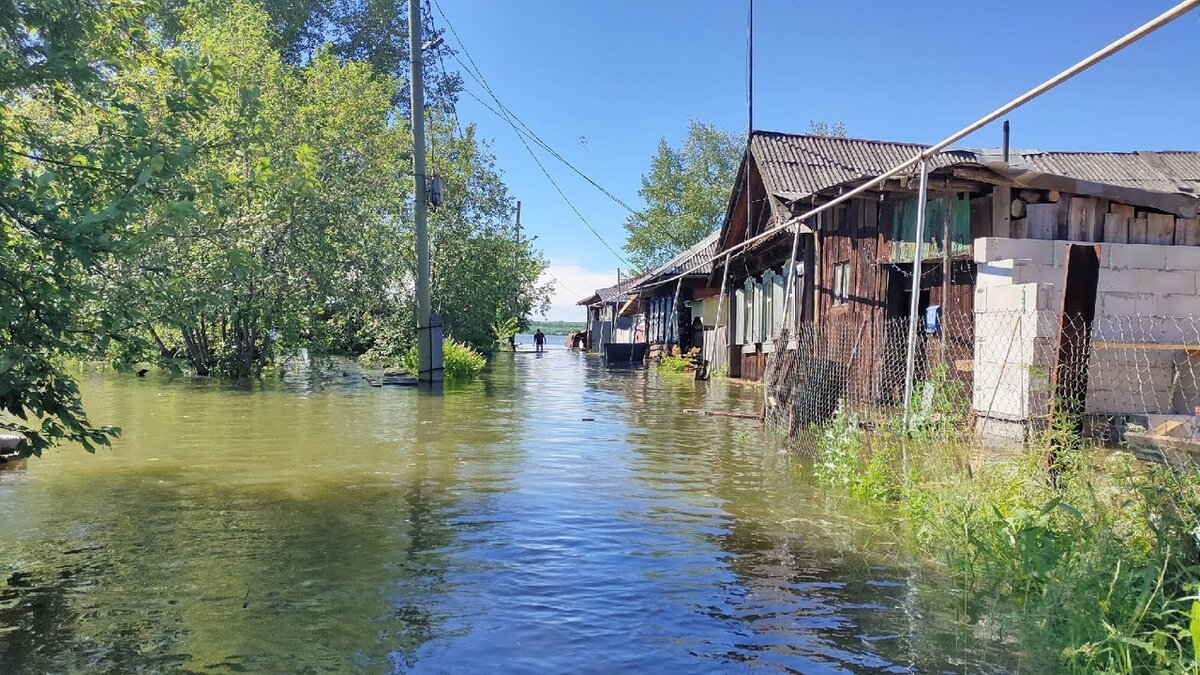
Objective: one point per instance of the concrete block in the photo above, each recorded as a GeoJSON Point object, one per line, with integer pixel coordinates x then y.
{"type": "Point", "coordinates": [1145, 401]}
{"type": "Point", "coordinates": [1001, 433]}
{"type": "Point", "coordinates": [1120, 303]}
{"type": "Point", "coordinates": [980, 302]}
{"type": "Point", "coordinates": [996, 273]}
{"type": "Point", "coordinates": [1134, 256]}
{"type": "Point", "coordinates": [1168, 282]}
{"type": "Point", "coordinates": [1175, 305]}
{"type": "Point", "coordinates": [991, 249]}
{"type": "Point", "coordinates": [1110, 377]}
{"type": "Point", "coordinates": [1005, 401]}
{"type": "Point", "coordinates": [1043, 350]}
{"type": "Point", "coordinates": [1006, 299]}
{"type": "Point", "coordinates": [1031, 273]}
{"type": "Point", "coordinates": [1040, 324]}
{"type": "Point", "coordinates": [1183, 258]}
{"type": "Point", "coordinates": [1167, 330]}
{"type": "Point", "coordinates": [1118, 280]}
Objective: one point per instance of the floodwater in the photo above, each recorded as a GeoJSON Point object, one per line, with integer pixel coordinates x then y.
{"type": "Point", "coordinates": [551, 516]}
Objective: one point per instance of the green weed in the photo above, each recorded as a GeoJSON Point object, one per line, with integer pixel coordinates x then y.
{"type": "Point", "coordinates": [677, 361]}
{"type": "Point", "coordinates": [1096, 570]}
{"type": "Point", "coordinates": [459, 360]}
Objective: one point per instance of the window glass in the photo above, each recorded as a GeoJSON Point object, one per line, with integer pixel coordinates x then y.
{"type": "Point", "coordinates": [738, 317]}
{"type": "Point", "coordinates": [841, 283]}
{"type": "Point", "coordinates": [778, 291]}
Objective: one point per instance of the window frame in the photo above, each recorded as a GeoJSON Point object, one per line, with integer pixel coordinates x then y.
{"type": "Point", "coordinates": [841, 283]}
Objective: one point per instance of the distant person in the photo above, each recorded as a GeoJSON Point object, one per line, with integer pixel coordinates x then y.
{"type": "Point", "coordinates": [539, 341]}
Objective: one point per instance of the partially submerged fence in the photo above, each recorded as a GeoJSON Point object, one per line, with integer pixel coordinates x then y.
{"type": "Point", "coordinates": [997, 378]}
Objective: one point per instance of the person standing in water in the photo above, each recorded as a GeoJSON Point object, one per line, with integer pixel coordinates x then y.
{"type": "Point", "coordinates": [539, 340]}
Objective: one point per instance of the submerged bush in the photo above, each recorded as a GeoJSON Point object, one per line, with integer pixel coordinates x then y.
{"type": "Point", "coordinates": [459, 360]}
{"type": "Point", "coordinates": [678, 361]}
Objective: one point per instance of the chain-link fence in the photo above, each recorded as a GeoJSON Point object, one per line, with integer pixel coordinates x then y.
{"type": "Point", "coordinates": [997, 378]}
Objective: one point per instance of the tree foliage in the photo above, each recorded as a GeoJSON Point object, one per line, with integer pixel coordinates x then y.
{"type": "Point", "coordinates": [835, 129]}
{"type": "Point", "coordinates": [186, 192]}
{"type": "Point", "coordinates": [372, 32]}
{"type": "Point", "coordinates": [293, 204]}
{"type": "Point", "coordinates": [686, 193]}
{"type": "Point", "coordinates": [81, 162]}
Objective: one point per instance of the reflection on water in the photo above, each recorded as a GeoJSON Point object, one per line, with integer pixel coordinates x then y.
{"type": "Point", "coordinates": [309, 525]}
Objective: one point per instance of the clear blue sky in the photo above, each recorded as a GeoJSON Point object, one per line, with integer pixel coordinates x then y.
{"type": "Point", "coordinates": [602, 82]}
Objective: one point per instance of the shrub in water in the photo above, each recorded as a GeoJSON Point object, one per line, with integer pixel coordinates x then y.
{"type": "Point", "coordinates": [677, 361]}
{"type": "Point", "coordinates": [459, 360]}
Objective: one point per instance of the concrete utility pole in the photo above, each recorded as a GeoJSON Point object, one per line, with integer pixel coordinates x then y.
{"type": "Point", "coordinates": [516, 302]}
{"type": "Point", "coordinates": [429, 327]}
{"type": "Point", "coordinates": [517, 264]}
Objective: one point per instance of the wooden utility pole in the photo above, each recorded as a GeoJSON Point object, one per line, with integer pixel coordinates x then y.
{"type": "Point", "coordinates": [429, 332]}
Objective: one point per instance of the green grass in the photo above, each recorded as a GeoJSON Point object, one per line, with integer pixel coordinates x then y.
{"type": "Point", "coordinates": [1097, 571]}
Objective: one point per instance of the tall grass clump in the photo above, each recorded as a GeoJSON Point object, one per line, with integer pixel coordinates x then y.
{"type": "Point", "coordinates": [1093, 564]}
{"type": "Point", "coordinates": [459, 360]}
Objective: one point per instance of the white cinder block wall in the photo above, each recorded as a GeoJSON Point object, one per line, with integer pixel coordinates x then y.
{"type": "Point", "coordinates": [1145, 294]}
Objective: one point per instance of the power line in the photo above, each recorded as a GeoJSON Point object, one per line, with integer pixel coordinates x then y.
{"type": "Point", "coordinates": [523, 131]}
{"type": "Point", "coordinates": [565, 287]}
{"type": "Point", "coordinates": [554, 183]}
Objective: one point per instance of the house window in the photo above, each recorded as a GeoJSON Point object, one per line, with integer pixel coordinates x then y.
{"type": "Point", "coordinates": [748, 313]}
{"type": "Point", "coordinates": [778, 302]}
{"type": "Point", "coordinates": [841, 283]}
{"type": "Point", "coordinates": [738, 317]}
{"type": "Point", "coordinates": [768, 305]}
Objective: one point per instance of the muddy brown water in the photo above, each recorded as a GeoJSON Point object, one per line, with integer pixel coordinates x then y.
{"type": "Point", "coordinates": [312, 524]}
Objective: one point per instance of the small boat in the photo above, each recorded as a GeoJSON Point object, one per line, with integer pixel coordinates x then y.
{"type": "Point", "coordinates": [625, 353]}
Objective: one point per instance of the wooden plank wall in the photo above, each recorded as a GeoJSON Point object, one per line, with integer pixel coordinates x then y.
{"type": "Point", "coordinates": [853, 331]}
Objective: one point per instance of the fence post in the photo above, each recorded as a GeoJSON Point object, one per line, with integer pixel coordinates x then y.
{"type": "Point", "coordinates": [915, 302]}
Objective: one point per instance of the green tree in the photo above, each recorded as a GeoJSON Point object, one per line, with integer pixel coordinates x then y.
{"type": "Point", "coordinates": [835, 129]}
{"type": "Point", "coordinates": [295, 207]}
{"type": "Point", "coordinates": [301, 233]}
{"type": "Point", "coordinates": [81, 160]}
{"type": "Point", "coordinates": [374, 32]}
{"type": "Point", "coordinates": [686, 193]}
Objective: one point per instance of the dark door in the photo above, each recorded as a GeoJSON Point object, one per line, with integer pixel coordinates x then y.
{"type": "Point", "coordinates": [1070, 375]}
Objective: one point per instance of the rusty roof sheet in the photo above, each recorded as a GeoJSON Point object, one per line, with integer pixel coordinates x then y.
{"type": "Point", "coordinates": [794, 166]}
{"type": "Point", "coordinates": [1171, 172]}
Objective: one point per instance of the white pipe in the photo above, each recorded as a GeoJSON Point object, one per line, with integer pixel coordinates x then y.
{"type": "Point", "coordinates": [1129, 38]}
{"type": "Point", "coordinates": [914, 304]}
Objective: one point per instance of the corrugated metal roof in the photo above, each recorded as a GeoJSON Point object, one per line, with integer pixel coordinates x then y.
{"type": "Point", "coordinates": [616, 291]}
{"type": "Point", "coordinates": [1172, 172]}
{"type": "Point", "coordinates": [699, 256]}
{"type": "Point", "coordinates": [702, 254]}
{"type": "Point", "coordinates": [794, 166]}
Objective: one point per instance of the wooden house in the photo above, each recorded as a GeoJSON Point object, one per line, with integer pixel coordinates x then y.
{"type": "Point", "coordinates": [665, 298]}
{"type": "Point", "coordinates": [853, 271]}
{"type": "Point", "coordinates": [608, 319]}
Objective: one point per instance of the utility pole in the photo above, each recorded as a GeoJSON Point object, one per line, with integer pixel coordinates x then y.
{"type": "Point", "coordinates": [429, 327]}
{"type": "Point", "coordinates": [516, 306]}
